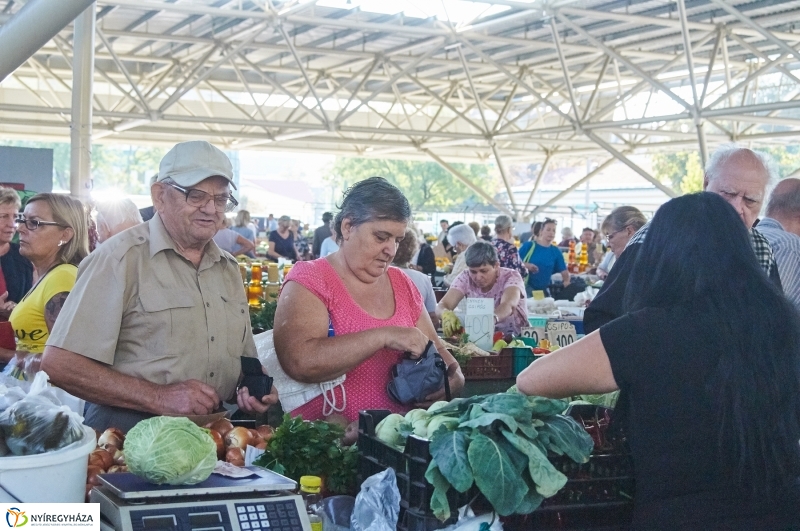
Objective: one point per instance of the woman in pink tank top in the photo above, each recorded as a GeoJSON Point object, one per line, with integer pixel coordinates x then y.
{"type": "Point", "coordinates": [351, 314]}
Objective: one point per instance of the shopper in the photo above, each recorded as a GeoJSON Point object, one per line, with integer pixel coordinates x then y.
{"type": "Point", "coordinates": [402, 258]}
{"type": "Point", "coordinates": [329, 245]}
{"type": "Point", "coordinates": [53, 235]}
{"type": "Point", "coordinates": [485, 278]}
{"type": "Point", "coordinates": [165, 333]}
{"type": "Point", "coordinates": [542, 259]}
{"type": "Point", "coordinates": [300, 241]}
{"type": "Point", "coordinates": [424, 260]}
{"type": "Point", "coordinates": [445, 226]}
{"type": "Point", "coordinates": [114, 216]}
{"type": "Point", "coordinates": [244, 226]}
{"type": "Point", "coordinates": [232, 242]}
{"type": "Point", "coordinates": [619, 227]}
{"type": "Point", "coordinates": [507, 252]}
{"type": "Point", "coordinates": [782, 229]}
{"type": "Point", "coordinates": [566, 237]}
{"type": "Point", "coordinates": [486, 233]}
{"type": "Point", "coordinates": [462, 237]}
{"type": "Point", "coordinates": [281, 241]}
{"type": "Point", "coordinates": [358, 314]}
{"type": "Point", "coordinates": [16, 271]}
{"type": "Point", "coordinates": [587, 245]}
{"type": "Point", "coordinates": [712, 376]}
{"type": "Point", "coordinates": [321, 234]}
{"type": "Point", "coordinates": [738, 175]}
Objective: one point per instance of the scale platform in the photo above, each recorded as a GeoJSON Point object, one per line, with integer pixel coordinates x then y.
{"type": "Point", "coordinates": [256, 503]}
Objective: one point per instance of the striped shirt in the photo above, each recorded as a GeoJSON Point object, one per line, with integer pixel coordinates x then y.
{"type": "Point", "coordinates": [786, 248]}
{"type": "Point", "coordinates": [761, 247]}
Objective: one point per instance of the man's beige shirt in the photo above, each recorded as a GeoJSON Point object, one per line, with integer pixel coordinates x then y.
{"type": "Point", "coordinates": [145, 310]}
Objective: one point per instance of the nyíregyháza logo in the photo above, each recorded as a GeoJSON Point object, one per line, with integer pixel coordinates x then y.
{"type": "Point", "coordinates": [16, 517]}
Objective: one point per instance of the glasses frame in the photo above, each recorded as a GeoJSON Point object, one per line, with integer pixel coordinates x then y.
{"type": "Point", "coordinates": [609, 236]}
{"type": "Point", "coordinates": [230, 202]}
{"type": "Point", "coordinates": [20, 219]}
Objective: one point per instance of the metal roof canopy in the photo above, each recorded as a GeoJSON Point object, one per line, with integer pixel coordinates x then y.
{"type": "Point", "coordinates": [527, 81]}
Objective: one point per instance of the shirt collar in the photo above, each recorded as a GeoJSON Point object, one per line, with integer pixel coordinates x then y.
{"type": "Point", "coordinates": [769, 223]}
{"type": "Point", "coordinates": [160, 240]}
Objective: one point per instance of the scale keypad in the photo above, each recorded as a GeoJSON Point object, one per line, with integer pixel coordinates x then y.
{"type": "Point", "coordinates": [269, 516]}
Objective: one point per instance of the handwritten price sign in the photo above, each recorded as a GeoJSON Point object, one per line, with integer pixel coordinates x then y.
{"type": "Point", "coordinates": [561, 333]}
{"type": "Point", "coordinates": [479, 321]}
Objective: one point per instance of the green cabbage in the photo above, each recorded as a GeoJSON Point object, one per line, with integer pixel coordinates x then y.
{"type": "Point", "coordinates": [170, 450]}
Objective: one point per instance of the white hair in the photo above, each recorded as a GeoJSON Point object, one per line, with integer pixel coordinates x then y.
{"type": "Point", "coordinates": [462, 234]}
{"type": "Point", "coordinates": [117, 212]}
{"type": "Point", "coordinates": [726, 151]}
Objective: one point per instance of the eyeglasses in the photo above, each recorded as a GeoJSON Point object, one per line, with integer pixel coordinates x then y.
{"type": "Point", "coordinates": [33, 224]}
{"type": "Point", "coordinates": [609, 236]}
{"type": "Point", "coordinates": [198, 199]}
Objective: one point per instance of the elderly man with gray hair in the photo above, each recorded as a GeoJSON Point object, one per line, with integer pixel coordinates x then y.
{"type": "Point", "coordinates": [114, 216]}
{"type": "Point", "coordinates": [782, 229]}
{"type": "Point", "coordinates": [740, 176]}
{"type": "Point", "coordinates": [460, 237]}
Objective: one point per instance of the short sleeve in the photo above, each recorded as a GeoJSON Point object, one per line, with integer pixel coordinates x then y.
{"type": "Point", "coordinates": [630, 341]}
{"type": "Point", "coordinates": [273, 236]}
{"type": "Point", "coordinates": [59, 280]}
{"type": "Point", "coordinates": [461, 283]}
{"type": "Point", "coordinates": [96, 303]}
{"type": "Point", "coordinates": [523, 251]}
{"type": "Point", "coordinates": [514, 280]}
{"type": "Point", "coordinates": [559, 264]}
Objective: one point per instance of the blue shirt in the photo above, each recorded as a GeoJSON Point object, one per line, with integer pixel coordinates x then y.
{"type": "Point", "coordinates": [549, 260]}
{"type": "Point", "coordinates": [786, 250]}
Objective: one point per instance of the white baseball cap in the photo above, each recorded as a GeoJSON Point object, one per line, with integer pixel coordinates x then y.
{"type": "Point", "coordinates": [188, 163]}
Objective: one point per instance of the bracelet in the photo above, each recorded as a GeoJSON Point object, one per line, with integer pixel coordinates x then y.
{"type": "Point", "coordinates": [496, 319]}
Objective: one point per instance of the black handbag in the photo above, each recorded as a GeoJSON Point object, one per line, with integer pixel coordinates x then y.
{"type": "Point", "coordinates": [412, 380]}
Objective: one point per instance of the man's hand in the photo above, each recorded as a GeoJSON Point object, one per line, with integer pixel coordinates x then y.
{"type": "Point", "coordinates": [191, 397]}
{"type": "Point", "coordinates": [250, 404]}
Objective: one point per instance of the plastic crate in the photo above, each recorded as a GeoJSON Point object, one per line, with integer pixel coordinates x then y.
{"type": "Point", "coordinates": [375, 456]}
{"type": "Point", "coordinates": [537, 322]}
{"type": "Point", "coordinates": [523, 356]}
{"type": "Point", "coordinates": [494, 367]}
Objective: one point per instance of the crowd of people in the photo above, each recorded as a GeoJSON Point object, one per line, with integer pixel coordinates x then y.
{"type": "Point", "coordinates": [696, 323]}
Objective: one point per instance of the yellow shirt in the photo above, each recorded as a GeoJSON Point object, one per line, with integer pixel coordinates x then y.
{"type": "Point", "coordinates": [27, 318]}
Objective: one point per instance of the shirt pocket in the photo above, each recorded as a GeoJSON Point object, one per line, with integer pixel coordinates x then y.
{"type": "Point", "coordinates": [169, 321]}
{"type": "Point", "coordinates": [237, 319]}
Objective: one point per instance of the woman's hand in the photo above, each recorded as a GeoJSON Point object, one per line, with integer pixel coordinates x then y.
{"type": "Point", "coordinates": [533, 268]}
{"type": "Point", "coordinates": [456, 379]}
{"type": "Point", "coordinates": [404, 339]}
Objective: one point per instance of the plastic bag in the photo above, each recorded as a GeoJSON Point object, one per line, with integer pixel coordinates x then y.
{"type": "Point", "coordinates": [293, 393]}
{"type": "Point", "coordinates": [38, 422]}
{"type": "Point", "coordinates": [467, 521]}
{"type": "Point", "coordinates": [23, 366]}
{"type": "Point", "coordinates": [377, 504]}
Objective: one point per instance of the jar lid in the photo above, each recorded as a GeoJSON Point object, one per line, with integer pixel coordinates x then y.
{"type": "Point", "coordinates": [311, 482]}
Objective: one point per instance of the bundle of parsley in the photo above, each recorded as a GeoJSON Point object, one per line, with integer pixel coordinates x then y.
{"type": "Point", "coordinates": [312, 448]}
{"type": "Point", "coordinates": [263, 319]}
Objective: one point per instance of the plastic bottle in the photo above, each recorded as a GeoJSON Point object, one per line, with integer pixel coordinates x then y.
{"type": "Point", "coordinates": [309, 490]}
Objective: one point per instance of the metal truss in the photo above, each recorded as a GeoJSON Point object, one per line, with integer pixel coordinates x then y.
{"type": "Point", "coordinates": [537, 81]}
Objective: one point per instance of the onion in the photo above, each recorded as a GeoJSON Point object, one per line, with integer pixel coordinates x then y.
{"type": "Point", "coordinates": [117, 468]}
{"type": "Point", "coordinates": [255, 438]}
{"type": "Point", "coordinates": [262, 445]}
{"type": "Point", "coordinates": [91, 475]}
{"type": "Point", "coordinates": [219, 442]}
{"type": "Point", "coordinates": [238, 437]}
{"type": "Point", "coordinates": [235, 456]}
{"type": "Point", "coordinates": [102, 458]}
{"type": "Point", "coordinates": [112, 437]}
{"type": "Point", "coordinates": [266, 432]}
{"type": "Point", "coordinates": [119, 457]}
{"type": "Point", "coordinates": [221, 426]}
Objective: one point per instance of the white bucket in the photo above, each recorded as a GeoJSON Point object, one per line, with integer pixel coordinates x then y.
{"type": "Point", "coordinates": [58, 476]}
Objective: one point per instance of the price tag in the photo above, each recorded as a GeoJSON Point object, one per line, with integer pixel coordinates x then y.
{"type": "Point", "coordinates": [479, 321]}
{"type": "Point", "coordinates": [536, 333]}
{"type": "Point", "coordinates": [538, 295]}
{"type": "Point", "coordinates": [561, 333]}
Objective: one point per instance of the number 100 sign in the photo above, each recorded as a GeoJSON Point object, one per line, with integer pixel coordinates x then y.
{"type": "Point", "coordinates": [561, 333]}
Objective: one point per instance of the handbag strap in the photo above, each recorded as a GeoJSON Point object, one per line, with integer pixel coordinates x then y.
{"type": "Point", "coordinates": [443, 366]}
{"type": "Point", "coordinates": [530, 252]}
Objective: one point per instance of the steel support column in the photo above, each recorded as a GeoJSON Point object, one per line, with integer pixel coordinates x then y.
{"type": "Point", "coordinates": [80, 174]}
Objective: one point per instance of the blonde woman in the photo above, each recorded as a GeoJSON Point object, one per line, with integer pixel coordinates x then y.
{"type": "Point", "coordinates": [53, 235]}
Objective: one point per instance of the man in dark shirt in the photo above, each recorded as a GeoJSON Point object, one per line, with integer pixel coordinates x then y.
{"type": "Point", "coordinates": [737, 174]}
{"type": "Point", "coordinates": [320, 233]}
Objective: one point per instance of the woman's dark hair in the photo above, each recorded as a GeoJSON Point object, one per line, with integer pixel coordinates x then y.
{"type": "Point", "coordinates": [536, 228]}
{"type": "Point", "coordinates": [698, 254]}
{"type": "Point", "coordinates": [481, 253]}
{"type": "Point", "coordinates": [406, 249]}
{"type": "Point", "coordinates": [370, 200]}
{"type": "Point", "coordinates": [486, 230]}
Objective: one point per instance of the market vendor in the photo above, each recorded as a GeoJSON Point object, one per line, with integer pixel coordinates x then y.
{"type": "Point", "coordinates": [157, 320]}
{"type": "Point", "coordinates": [352, 314]}
{"type": "Point", "coordinates": [712, 376]}
{"type": "Point", "coordinates": [542, 259]}
{"type": "Point", "coordinates": [484, 278]}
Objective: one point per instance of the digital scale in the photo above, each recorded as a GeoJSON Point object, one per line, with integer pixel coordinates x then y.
{"type": "Point", "coordinates": [260, 502]}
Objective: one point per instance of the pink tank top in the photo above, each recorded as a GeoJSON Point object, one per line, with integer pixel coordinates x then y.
{"type": "Point", "coordinates": [365, 386]}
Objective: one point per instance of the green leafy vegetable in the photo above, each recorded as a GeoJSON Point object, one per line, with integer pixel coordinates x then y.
{"type": "Point", "coordinates": [548, 480]}
{"type": "Point", "coordinates": [439, 504]}
{"type": "Point", "coordinates": [312, 448]}
{"type": "Point", "coordinates": [565, 436]}
{"type": "Point", "coordinates": [450, 454]}
{"type": "Point", "coordinates": [495, 475]}
{"type": "Point", "coordinates": [171, 450]}
{"type": "Point", "coordinates": [264, 318]}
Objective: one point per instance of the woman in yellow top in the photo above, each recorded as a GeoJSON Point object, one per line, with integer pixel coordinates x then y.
{"type": "Point", "coordinates": [53, 235]}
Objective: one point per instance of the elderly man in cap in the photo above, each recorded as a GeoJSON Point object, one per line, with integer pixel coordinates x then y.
{"type": "Point", "coordinates": [158, 319]}
{"type": "Point", "coordinates": [782, 229]}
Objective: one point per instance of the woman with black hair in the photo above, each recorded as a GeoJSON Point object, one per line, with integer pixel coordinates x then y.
{"type": "Point", "coordinates": [708, 352]}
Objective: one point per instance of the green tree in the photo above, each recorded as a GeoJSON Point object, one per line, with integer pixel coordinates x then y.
{"type": "Point", "coordinates": [682, 170]}
{"type": "Point", "coordinates": [427, 185]}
